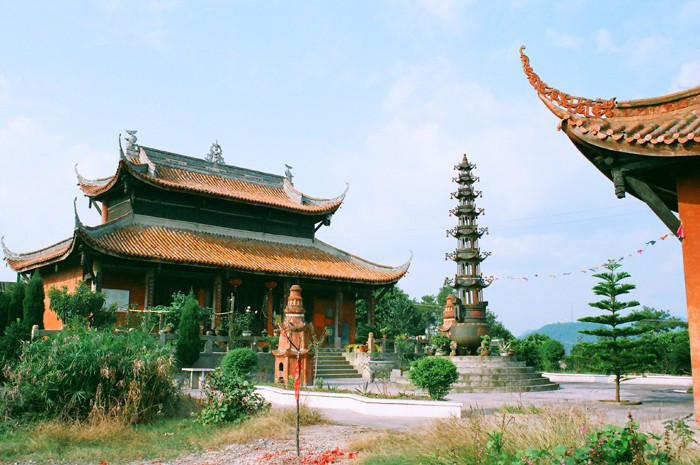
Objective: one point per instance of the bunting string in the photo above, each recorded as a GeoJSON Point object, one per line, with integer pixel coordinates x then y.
{"type": "Point", "coordinates": [593, 269]}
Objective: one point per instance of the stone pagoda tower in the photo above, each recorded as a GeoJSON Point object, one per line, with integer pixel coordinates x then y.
{"type": "Point", "coordinates": [464, 319]}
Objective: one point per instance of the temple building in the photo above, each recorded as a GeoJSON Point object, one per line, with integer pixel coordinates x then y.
{"type": "Point", "coordinates": [648, 148]}
{"type": "Point", "coordinates": [174, 223]}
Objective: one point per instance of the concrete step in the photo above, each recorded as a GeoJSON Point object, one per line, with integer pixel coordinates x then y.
{"type": "Point", "coordinates": [505, 378]}
{"type": "Point", "coordinates": [503, 383]}
{"type": "Point", "coordinates": [535, 388]}
{"type": "Point", "coordinates": [497, 370]}
{"type": "Point", "coordinates": [342, 375]}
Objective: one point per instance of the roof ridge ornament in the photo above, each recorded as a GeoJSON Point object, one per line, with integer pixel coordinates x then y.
{"type": "Point", "coordinates": [8, 253]}
{"type": "Point", "coordinates": [578, 105]}
{"type": "Point", "coordinates": [132, 149]}
{"type": "Point", "coordinates": [215, 154]}
{"type": "Point", "coordinates": [288, 173]}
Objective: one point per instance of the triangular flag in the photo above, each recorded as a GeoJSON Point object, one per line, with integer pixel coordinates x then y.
{"type": "Point", "coordinates": [663, 238]}
{"type": "Point", "coordinates": [680, 233]}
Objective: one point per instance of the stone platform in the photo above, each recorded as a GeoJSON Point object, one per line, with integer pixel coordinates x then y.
{"type": "Point", "coordinates": [490, 374]}
{"type": "Point", "coordinates": [497, 374]}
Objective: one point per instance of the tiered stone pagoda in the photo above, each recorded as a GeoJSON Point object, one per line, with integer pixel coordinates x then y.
{"type": "Point", "coordinates": [465, 319]}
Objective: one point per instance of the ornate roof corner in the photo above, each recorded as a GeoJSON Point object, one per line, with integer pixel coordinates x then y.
{"type": "Point", "coordinates": [132, 150]}
{"type": "Point", "coordinates": [7, 252]}
{"type": "Point", "coordinates": [300, 198]}
{"type": "Point", "coordinates": [78, 224]}
{"type": "Point", "coordinates": [588, 108]}
{"type": "Point", "coordinates": [404, 268]}
{"type": "Point", "coordinates": [83, 181]}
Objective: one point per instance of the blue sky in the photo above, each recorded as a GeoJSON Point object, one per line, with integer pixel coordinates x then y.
{"type": "Point", "coordinates": [383, 95]}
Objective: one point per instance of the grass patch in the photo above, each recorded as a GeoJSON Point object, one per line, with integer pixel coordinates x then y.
{"type": "Point", "coordinates": [520, 409]}
{"type": "Point", "coordinates": [458, 441]}
{"type": "Point", "coordinates": [116, 442]}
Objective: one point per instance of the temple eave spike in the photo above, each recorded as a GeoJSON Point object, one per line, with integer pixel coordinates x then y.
{"type": "Point", "coordinates": [589, 108]}
{"type": "Point", "coordinates": [7, 252]}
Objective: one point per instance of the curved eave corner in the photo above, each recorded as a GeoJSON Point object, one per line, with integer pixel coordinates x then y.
{"type": "Point", "coordinates": [22, 262]}
{"type": "Point", "coordinates": [302, 199]}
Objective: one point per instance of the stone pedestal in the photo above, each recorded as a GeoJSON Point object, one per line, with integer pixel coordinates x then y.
{"type": "Point", "coordinates": [295, 338]}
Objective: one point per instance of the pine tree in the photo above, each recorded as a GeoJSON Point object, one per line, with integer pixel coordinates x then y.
{"type": "Point", "coordinates": [16, 307]}
{"type": "Point", "coordinates": [188, 343]}
{"type": "Point", "coordinates": [34, 302]}
{"type": "Point", "coordinates": [615, 348]}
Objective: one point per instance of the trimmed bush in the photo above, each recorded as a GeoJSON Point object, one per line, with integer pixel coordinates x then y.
{"type": "Point", "coordinates": [188, 343]}
{"type": "Point", "coordinates": [33, 304]}
{"type": "Point", "coordinates": [239, 362]}
{"type": "Point", "coordinates": [434, 374]}
{"type": "Point", "coordinates": [441, 342]}
{"type": "Point", "coordinates": [551, 353]}
{"type": "Point", "coordinates": [83, 372]}
{"type": "Point", "coordinates": [229, 399]}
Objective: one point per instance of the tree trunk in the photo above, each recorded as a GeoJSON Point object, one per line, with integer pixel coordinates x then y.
{"type": "Point", "coordinates": [617, 387]}
{"type": "Point", "coordinates": [297, 396]}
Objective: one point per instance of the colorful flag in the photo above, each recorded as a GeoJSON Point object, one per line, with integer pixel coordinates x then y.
{"type": "Point", "coordinates": [680, 233]}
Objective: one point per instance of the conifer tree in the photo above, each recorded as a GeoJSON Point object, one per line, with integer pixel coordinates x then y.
{"type": "Point", "coordinates": [615, 348]}
{"type": "Point", "coordinates": [34, 302]}
{"type": "Point", "coordinates": [188, 342]}
{"type": "Point", "coordinates": [4, 309]}
{"type": "Point", "coordinates": [16, 308]}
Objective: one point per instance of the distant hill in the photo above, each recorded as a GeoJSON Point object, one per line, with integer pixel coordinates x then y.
{"type": "Point", "coordinates": [566, 333]}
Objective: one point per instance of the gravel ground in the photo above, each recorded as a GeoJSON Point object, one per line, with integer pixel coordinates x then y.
{"type": "Point", "coordinates": [320, 445]}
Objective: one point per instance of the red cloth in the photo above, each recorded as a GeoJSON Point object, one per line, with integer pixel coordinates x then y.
{"type": "Point", "coordinates": [297, 376]}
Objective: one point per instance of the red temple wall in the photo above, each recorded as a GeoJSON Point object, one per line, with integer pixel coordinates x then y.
{"type": "Point", "coordinates": [69, 278]}
{"type": "Point", "coordinates": [347, 314]}
{"type": "Point", "coordinates": [135, 283]}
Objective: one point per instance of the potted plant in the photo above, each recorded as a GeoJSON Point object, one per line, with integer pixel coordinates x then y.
{"type": "Point", "coordinates": [505, 348]}
{"type": "Point", "coordinates": [485, 345]}
{"type": "Point", "coordinates": [441, 343]}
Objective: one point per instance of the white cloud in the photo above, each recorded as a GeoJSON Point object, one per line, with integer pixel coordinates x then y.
{"type": "Point", "coordinates": [564, 40]}
{"type": "Point", "coordinates": [688, 76]}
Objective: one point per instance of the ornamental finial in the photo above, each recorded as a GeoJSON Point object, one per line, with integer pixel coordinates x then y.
{"type": "Point", "coordinates": [288, 173]}
{"type": "Point", "coordinates": [215, 154]}
{"type": "Point", "coordinates": [132, 148]}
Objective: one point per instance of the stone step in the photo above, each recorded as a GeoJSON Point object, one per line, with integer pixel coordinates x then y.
{"type": "Point", "coordinates": [508, 378]}
{"type": "Point", "coordinates": [338, 374]}
{"type": "Point", "coordinates": [503, 383]}
{"type": "Point", "coordinates": [534, 388]}
{"type": "Point", "coordinates": [486, 364]}
{"type": "Point", "coordinates": [498, 370]}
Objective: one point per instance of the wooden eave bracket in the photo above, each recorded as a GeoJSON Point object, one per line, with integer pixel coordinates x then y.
{"type": "Point", "coordinates": [647, 194]}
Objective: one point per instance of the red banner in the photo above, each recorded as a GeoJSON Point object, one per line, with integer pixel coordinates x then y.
{"type": "Point", "coordinates": [297, 376]}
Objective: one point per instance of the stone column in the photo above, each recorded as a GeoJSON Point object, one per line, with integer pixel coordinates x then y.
{"type": "Point", "coordinates": [688, 188]}
{"type": "Point", "coordinates": [371, 304]}
{"type": "Point", "coordinates": [295, 338]}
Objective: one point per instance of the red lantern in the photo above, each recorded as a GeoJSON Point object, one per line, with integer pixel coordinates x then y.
{"type": "Point", "coordinates": [235, 282]}
{"type": "Point", "coordinates": [270, 285]}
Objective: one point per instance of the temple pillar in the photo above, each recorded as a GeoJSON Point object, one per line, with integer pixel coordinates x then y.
{"type": "Point", "coordinates": [295, 338]}
{"type": "Point", "coordinates": [105, 212]}
{"type": "Point", "coordinates": [371, 304]}
{"type": "Point", "coordinates": [338, 314]}
{"type": "Point", "coordinates": [216, 303]}
{"type": "Point", "coordinates": [270, 285]}
{"type": "Point", "coordinates": [688, 188]}
{"type": "Point", "coordinates": [150, 285]}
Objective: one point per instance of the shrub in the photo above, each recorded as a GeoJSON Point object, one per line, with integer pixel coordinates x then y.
{"type": "Point", "coordinates": [528, 349]}
{"type": "Point", "coordinates": [82, 303]}
{"type": "Point", "coordinates": [405, 351]}
{"type": "Point", "coordinates": [229, 399]}
{"type": "Point", "coordinates": [188, 343]}
{"type": "Point", "coordinates": [434, 374]}
{"type": "Point", "coordinates": [551, 353]}
{"type": "Point", "coordinates": [33, 304]}
{"type": "Point", "coordinates": [239, 362]}
{"type": "Point", "coordinates": [82, 372]}
{"type": "Point", "coordinates": [441, 342]}
{"type": "Point", "coordinates": [16, 334]}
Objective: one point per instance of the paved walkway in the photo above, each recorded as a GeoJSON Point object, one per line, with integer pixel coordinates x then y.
{"type": "Point", "coordinates": [658, 403]}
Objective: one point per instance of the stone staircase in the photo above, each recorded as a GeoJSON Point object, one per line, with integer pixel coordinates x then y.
{"type": "Point", "coordinates": [498, 374]}
{"type": "Point", "coordinates": [332, 365]}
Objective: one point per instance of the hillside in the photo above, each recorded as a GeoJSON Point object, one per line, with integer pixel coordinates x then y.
{"type": "Point", "coordinates": [566, 333]}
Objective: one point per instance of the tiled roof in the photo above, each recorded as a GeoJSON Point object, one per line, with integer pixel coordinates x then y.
{"type": "Point", "coordinates": [303, 258]}
{"type": "Point", "coordinates": [179, 172]}
{"type": "Point", "coordinates": [662, 126]}
{"type": "Point", "coordinates": [50, 254]}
